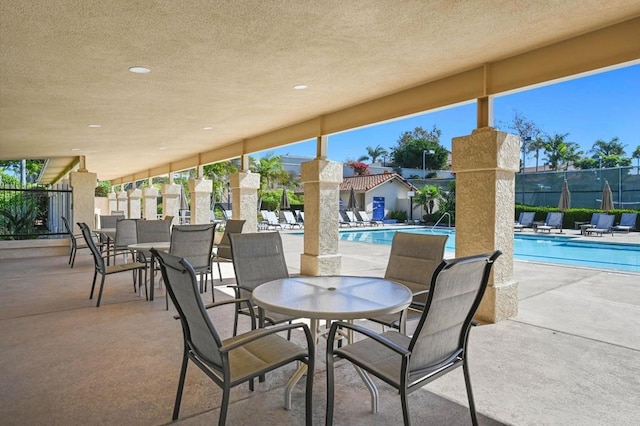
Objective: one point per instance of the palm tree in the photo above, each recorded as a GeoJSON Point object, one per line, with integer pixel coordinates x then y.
{"type": "Point", "coordinates": [375, 153]}
{"type": "Point", "coordinates": [636, 155]}
{"type": "Point", "coordinates": [427, 197]}
{"type": "Point", "coordinates": [559, 152]}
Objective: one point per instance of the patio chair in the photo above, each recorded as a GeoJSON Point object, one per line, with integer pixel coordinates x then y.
{"type": "Point", "coordinates": [627, 223]}
{"type": "Point", "coordinates": [126, 233]}
{"type": "Point", "coordinates": [524, 221]}
{"type": "Point", "coordinates": [151, 231]}
{"type": "Point", "coordinates": [271, 219]}
{"type": "Point", "coordinates": [343, 219]}
{"type": "Point", "coordinates": [222, 253]}
{"type": "Point", "coordinates": [604, 225]}
{"type": "Point", "coordinates": [412, 260]}
{"type": "Point", "coordinates": [365, 218]}
{"type": "Point", "coordinates": [353, 219]}
{"type": "Point", "coordinates": [290, 219]}
{"type": "Point", "coordinates": [73, 240]}
{"type": "Point", "coordinates": [102, 268]}
{"type": "Point", "coordinates": [195, 243]}
{"type": "Point", "coordinates": [553, 221]}
{"type": "Point", "coordinates": [438, 346]}
{"type": "Point", "coordinates": [585, 225]}
{"type": "Point", "coordinates": [233, 361]}
{"type": "Point", "coordinates": [257, 259]}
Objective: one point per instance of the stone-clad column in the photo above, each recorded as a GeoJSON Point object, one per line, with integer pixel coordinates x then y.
{"type": "Point", "coordinates": [244, 195]}
{"type": "Point", "coordinates": [200, 190]}
{"type": "Point", "coordinates": [321, 180]}
{"type": "Point", "coordinates": [485, 164]}
{"type": "Point", "coordinates": [171, 201]}
{"type": "Point", "coordinates": [150, 202]}
{"type": "Point", "coordinates": [83, 199]}
{"type": "Point", "coordinates": [134, 205]}
{"type": "Point", "coordinates": [123, 202]}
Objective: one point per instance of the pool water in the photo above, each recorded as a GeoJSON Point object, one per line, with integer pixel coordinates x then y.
{"type": "Point", "coordinates": [548, 248]}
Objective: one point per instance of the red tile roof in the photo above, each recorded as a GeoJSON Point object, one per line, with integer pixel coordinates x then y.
{"type": "Point", "coordinates": [368, 182]}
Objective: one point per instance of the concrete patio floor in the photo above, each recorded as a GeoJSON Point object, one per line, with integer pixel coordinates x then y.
{"type": "Point", "coordinates": [570, 357]}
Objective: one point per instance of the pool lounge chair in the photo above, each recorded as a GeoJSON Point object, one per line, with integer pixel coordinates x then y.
{"type": "Point", "coordinates": [353, 219]}
{"type": "Point", "coordinates": [604, 226]}
{"type": "Point", "coordinates": [365, 218]}
{"type": "Point", "coordinates": [554, 221]}
{"type": "Point", "coordinates": [524, 221]}
{"type": "Point", "coordinates": [586, 225]}
{"type": "Point", "coordinates": [290, 219]}
{"type": "Point", "coordinates": [627, 223]}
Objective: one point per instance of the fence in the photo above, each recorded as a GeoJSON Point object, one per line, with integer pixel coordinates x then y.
{"type": "Point", "coordinates": [31, 211]}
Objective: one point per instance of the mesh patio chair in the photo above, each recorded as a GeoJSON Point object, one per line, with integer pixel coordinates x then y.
{"type": "Point", "coordinates": [627, 223]}
{"type": "Point", "coordinates": [438, 346]}
{"type": "Point", "coordinates": [223, 250]}
{"type": "Point", "coordinates": [236, 360]}
{"type": "Point", "coordinates": [604, 225]}
{"type": "Point", "coordinates": [102, 268]}
{"type": "Point", "coordinates": [194, 243]}
{"type": "Point", "coordinates": [126, 233]}
{"type": "Point", "coordinates": [151, 231]}
{"type": "Point", "coordinates": [524, 221]}
{"type": "Point", "coordinates": [257, 258]}
{"type": "Point", "coordinates": [73, 240]}
{"type": "Point", "coordinates": [412, 261]}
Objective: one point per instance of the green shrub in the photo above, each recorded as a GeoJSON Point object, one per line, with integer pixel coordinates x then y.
{"type": "Point", "coordinates": [398, 215]}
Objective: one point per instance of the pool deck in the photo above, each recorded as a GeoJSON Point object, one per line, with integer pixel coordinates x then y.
{"type": "Point", "coordinates": [570, 356]}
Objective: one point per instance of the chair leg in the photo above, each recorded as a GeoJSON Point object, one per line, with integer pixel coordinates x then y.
{"type": "Point", "coordinates": [224, 406]}
{"type": "Point", "coordinates": [93, 284]}
{"type": "Point", "coordinates": [309, 392]}
{"type": "Point", "coordinates": [467, 381]}
{"type": "Point", "coordinates": [405, 407]}
{"type": "Point", "coordinates": [330, 390]}
{"type": "Point", "coordinates": [100, 292]}
{"type": "Point", "coordinates": [74, 250]}
{"type": "Point", "coordinates": [219, 271]}
{"type": "Point", "coordinates": [183, 375]}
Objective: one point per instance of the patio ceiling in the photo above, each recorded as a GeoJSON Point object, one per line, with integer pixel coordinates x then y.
{"type": "Point", "coordinates": [231, 66]}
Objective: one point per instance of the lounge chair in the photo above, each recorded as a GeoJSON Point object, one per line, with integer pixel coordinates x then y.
{"type": "Point", "coordinates": [343, 219]}
{"type": "Point", "coordinates": [586, 225]}
{"type": "Point", "coordinates": [553, 221]}
{"type": "Point", "coordinates": [524, 221]}
{"type": "Point", "coordinates": [290, 219]}
{"type": "Point", "coordinates": [604, 225]}
{"type": "Point", "coordinates": [353, 219]}
{"type": "Point", "coordinates": [270, 219]}
{"type": "Point", "coordinates": [365, 218]}
{"type": "Point", "coordinates": [627, 223]}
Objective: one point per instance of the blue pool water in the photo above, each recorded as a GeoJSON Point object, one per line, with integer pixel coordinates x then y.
{"type": "Point", "coordinates": [550, 249]}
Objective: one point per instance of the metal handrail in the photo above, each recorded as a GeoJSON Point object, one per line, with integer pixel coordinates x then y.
{"type": "Point", "coordinates": [442, 217]}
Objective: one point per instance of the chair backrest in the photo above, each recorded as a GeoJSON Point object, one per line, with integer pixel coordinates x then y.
{"type": "Point", "coordinates": [117, 212]}
{"type": "Point", "coordinates": [194, 243]}
{"type": "Point", "coordinates": [526, 218]}
{"type": "Point", "coordinates": [153, 231]}
{"type": "Point", "coordinates": [455, 293]}
{"type": "Point", "coordinates": [414, 258]}
{"type": "Point", "coordinates": [126, 233]}
{"type": "Point", "coordinates": [199, 331]}
{"type": "Point", "coordinates": [257, 258]}
{"type": "Point", "coordinates": [288, 216]}
{"type": "Point", "coordinates": [351, 216]}
{"type": "Point", "coordinates": [233, 226]}
{"type": "Point", "coordinates": [364, 216]}
{"type": "Point", "coordinates": [627, 219]}
{"type": "Point", "coordinates": [97, 257]}
{"type": "Point", "coordinates": [594, 218]}
{"type": "Point", "coordinates": [605, 221]}
{"type": "Point", "coordinates": [109, 221]}
{"type": "Point", "coordinates": [554, 219]}
{"type": "Point", "coordinates": [68, 229]}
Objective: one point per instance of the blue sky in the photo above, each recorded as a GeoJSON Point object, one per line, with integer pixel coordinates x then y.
{"type": "Point", "coordinates": [600, 106]}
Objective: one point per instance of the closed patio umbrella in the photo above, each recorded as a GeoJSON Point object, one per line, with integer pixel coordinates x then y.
{"type": "Point", "coordinates": [607, 197]}
{"type": "Point", "coordinates": [565, 197]}
{"type": "Point", "coordinates": [353, 204]}
{"type": "Point", "coordinates": [284, 202]}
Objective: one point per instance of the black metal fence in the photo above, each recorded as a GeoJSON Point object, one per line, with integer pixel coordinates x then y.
{"type": "Point", "coordinates": [32, 211]}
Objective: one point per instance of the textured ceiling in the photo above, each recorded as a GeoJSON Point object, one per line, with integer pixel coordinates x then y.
{"type": "Point", "coordinates": [231, 65]}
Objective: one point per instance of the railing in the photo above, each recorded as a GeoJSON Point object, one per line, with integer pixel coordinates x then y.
{"type": "Point", "coordinates": [440, 220]}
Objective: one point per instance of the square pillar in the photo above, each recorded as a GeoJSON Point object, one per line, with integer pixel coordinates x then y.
{"type": "Point", "coordinates": [171, 201]}
{"type": "Point", "coordinates": [322, 179]}
{"type": "Point", "coordinates": [123, 202]}
{"type": "Point", "coordinates": [485, 164]}
{"type": "Point", "coordinates": [200, 190]}
{"type": "Point", "coordinates": [134, 205]}
{"type": "Point", "coordinates": [150, 203]}
{"type": "Point", "coordinates": [244, 196]}
{"type": "Point", "coordinates": [83, 199]}
{"type": "Point", "coordinates": [113, 202]}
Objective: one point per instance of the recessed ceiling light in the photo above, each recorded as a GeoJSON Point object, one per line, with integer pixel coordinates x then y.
{"type": "Point", "coordinates": [75, 149]}
{"type": "Point", "coordinates": [162, 147]}
{"type": "Point", "coordinates": [300, 86]}
{"type": "Point", "coordinates": [139, 70]}
{"type": "Point", "coordinates": [94, 126]}
{"type": "Point", "coordinates": [207, 128]}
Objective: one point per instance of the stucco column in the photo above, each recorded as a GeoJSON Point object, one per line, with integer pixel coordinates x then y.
{"type": "Point", "coordinates": [134, 203]}
{"type": "Point", "coordinates": [200, 190]}
{"type": "Point", "coordinates": [485, 164]}
{"type": "Point", "coordinates": [171, 201]}
{"type": "Point", "coordinates": [321, 180]}
{"type": "Point", "coordinates": [244, 196]}
{"type": "Point", "coordinates": [150, 202]}
{"type": "Point", "coordinates": [113, 202]}
{"type": "Point", "coordinates": [123, 202]}
{"type": "Point", "coordinates": [83, 199]}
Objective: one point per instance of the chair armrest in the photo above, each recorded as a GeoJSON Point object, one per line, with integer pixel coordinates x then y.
{"type": "Point", "coordinates": [229, 302]}
{"type": "Point", "coordinates": [263, 332]}
{"type": "Point", "coordinates": [367, 332]}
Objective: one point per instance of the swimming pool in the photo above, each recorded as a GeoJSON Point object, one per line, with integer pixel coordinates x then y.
{"type": "Point", "coordinates": [551, 249]}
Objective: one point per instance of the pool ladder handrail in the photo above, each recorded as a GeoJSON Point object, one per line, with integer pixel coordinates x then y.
{"type": "Point", "coordinates": [440, 220]}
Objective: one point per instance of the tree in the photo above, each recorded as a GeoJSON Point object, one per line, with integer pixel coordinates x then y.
{"type": "Point", "coordinates": [359, 168]}
{"type": "Point", "coordinates": [561, 153]}
{"type": "Point", "coordinates": [530, 136]}
{"type": "Point", "coordinates": [427, 197]}
{"type": "Point", "coordinates": [410, 147]}
{"type": "Point", "coordinates": [31, 168]}
{"type": "Point", "coordinates": [219, 175]}
{"type": "Point", "coordinates": [610, 154]}
{"type": "Point", "coordinates": [636, 155]}
{"type": "Point", "coordinates": [375, 153]}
